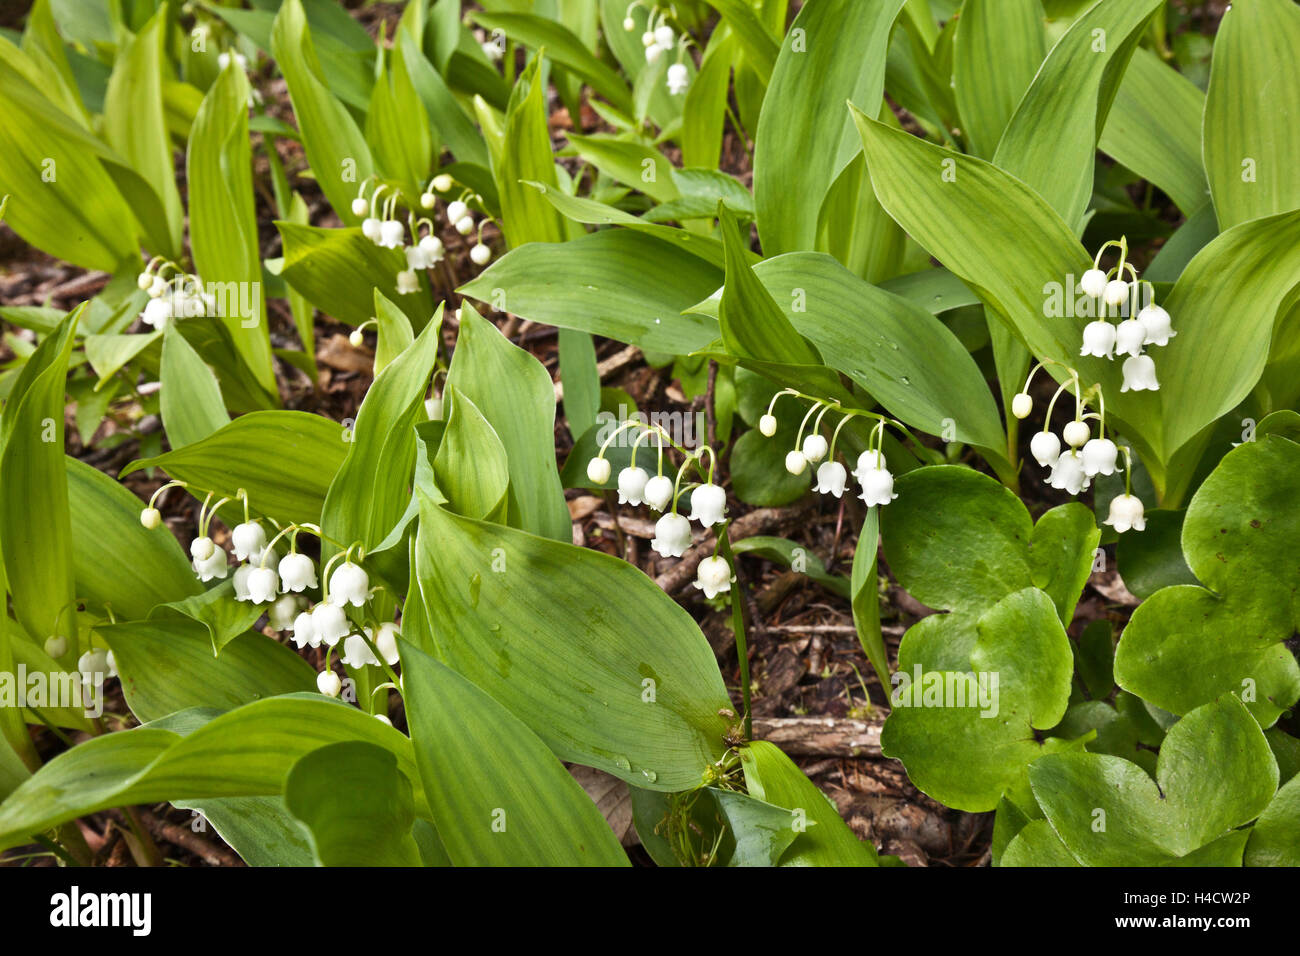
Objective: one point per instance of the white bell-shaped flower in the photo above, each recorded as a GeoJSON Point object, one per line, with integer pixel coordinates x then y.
{"type": "Point", "coordinates": [297, 572]}
{"type": "Point", "coordinates": [1099, 457]}
{"type": "Point", "coordinates": [598, 470]}
{"type": "Point", "coordinates": [329, 624]}
{"type": "Point", "coordinates": [1045, 447]}
{"type": "Point", "coordinates": [356, 652]}
{"type": "Point", "coordinates": [150, 518]}
{"type": "Point", "coordinates": [877, 487]}
{"type": "Point", "coordinates": [714, 576]}
{"type": "Point", "coordinates": [456, 211]}
{"type": "Point", "coordinates": [708, 505]}
{"type": "Point", "coordinates": [1126, 513]}
{"type": "Point", "coordinates": [1115, 293]}
{"type": "Point", "coordinates": [157, 287]}
{"type": "Point", "coordinates": [1021, 405]}
{"type": "Point", "coordinates": [1093, 282]}
{"type": "Point", "coordinates": [1068, 473]}
{"type": "Point", "coordinates": [1076, 433]}
{"type": "Point", "coordinates": [433, 249]}
{"type": "Point", "coordinates": [814, 447]}
{"type": "Point", "coordinates": [767, 425]}
{"type": "Point", "coordinates": [415, 258]}
{"type": "Point", "coordinates": [372, 229]}
{"type": "Point", "coordinates": [386, 642]}
{"type": "Point", "coordinates": [658, 492]}
{"type": "Point", "coordinates": [1158, 325]}
{"type": "Point", "coordinates": [213, 566]}
{"type": "Point", "coordinates": [263, 585]}
{"type": "Point", "coordinates": [631, 485]}
{"type": "Point", "coordinates": [248, 541]}
{"type": "Point", "coordinates": [796, 462]}
{"type": "Point", "coordinates": [285, 610]}
{"type": "Point", "coordinates": [480, 254]}
{"type": "Point", "coordinates": [1099, 339]}
{"type": "Point", "coordinates": [408, 282]}
{"type": "Point", "coordinates": [869, 460]}
{"type": "Point", "coordinates": [241, 582]}
{"type": "Point", "coordinates": [158, 313]}
{"type": "Point", "coordinates": [349, 583]}
{"type": "Point", "coordinates": [678, 79]}
{"type": "Point", "coordinates": [392, 234]}
{"type": "Point", "coordinates": [665, 37]}
{"type": "Point", "coordinates": [653, 53]}
{"type": "Point", "coordinates": [304, 631]}
{"type": "Point", "coordinates": [1130, 336]}
{"type": "Point", "coordinates": [672, 536]}
{"type": "Point", "coordinates": [1140, 374]}
{"type": "Point", "coordinates": [93, 666]}
{"type": "Point", "coordinates": [328, 683]}
{"type": "Point", "coordinates": [831, 479]}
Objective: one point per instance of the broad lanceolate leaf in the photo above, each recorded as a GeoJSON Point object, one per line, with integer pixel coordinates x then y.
{"type": "Point", "coordinates": [477, 490]}
{"type": "Point", "coordinates": [498, 796]}
{"type": "Point", "coordinates": [515, 394]}
{"type": "Point", "coordinates": [285, 461]}
{"type": "Point", "coordinates": [1187, 645]}
{"type": "Point", "coordinates": [834, 52]}
{"type": "Point", "coordinates": [997, 50]}
{"type": "Point", "coordinates": [619, 676]}
{"type": "Point", "coordinates": [526, 216]}
{"type": "Point", "coordinates": [1252, 112]}
{"type": "Point", "coordinates": [190, 397]}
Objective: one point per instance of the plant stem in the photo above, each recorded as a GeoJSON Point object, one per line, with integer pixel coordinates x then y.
{"type": "Point", "coordinates": [738, 625]}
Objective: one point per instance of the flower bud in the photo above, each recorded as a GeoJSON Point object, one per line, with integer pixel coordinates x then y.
{"type": "Point", "coordinates": [1076, 433]}
{"type": "Point", "coordinates": [328, 683]}
{"type": "Point", "coordinates": [665, 37]}
{"type": "Point", "coordinates": [767, 425]}
{"type": "Point", "coordinates": [814, 447]}
{"type": "Point", "coordinates": [648, 38]}
{"type": "Point", "coordinates": [427, 200]}
{"type": "Point", "coordinates": [1045, 447]}
{"type": "Point", "coordinates": [456, 210]}
{"type": "Point", "coordinates": [1093, 282]}
{"type": "Point", "coordinates": [201, 549]}
{"type": "Point", "coordinates": [629, 24]}
{"type": "Point", "coordinates": [144, 281]}
{"type": "Point", "coordinates": [92, 664]}
{"type": "Point", "coordinates": [433, 408]}
{"type": "Point", "coordinates": [442, 182]}
{"type": "Point", "coordinates": [150, 517]}
{"type": "Point", "coordinates": [598, 470]}
{"type": "Point", "coordinates": [360, 207]}
{"type": "Point", "coordinates": [383, 719]}
{"type": "Point", "coordinates": [480, 254]}
{"type": "Point", "coordinates": [356, 338]}
{"type": "Point", "coordinates": [1115, 292]}
{"type": "Point", "coordinates": [56, 645]}
{"type": "Point", "coordinates": [465, 225]}
{"type": "Point", "coordinates": [795, 462]}
{"type": "Point", "coordinates": [658, 492]}
{"type": "Point", "coordinates": [372, 229]}
{"type": "Point", "coordinates": [869, 460]}
{"type": "Point", "coordinates": [1022, 405]}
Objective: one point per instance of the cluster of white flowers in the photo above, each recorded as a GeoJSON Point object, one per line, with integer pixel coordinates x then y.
{"type": "Point", "coordinates": [262, 578]}
{"type": "Point", "coordinates": [1077, 456]}
{"type": "Point", "coordinates": [660, 40]}
{"type": "Point", "coordinates": [672, 531]}
{"type": "Point", "coordinates": [1150, 326]}
{"type": "Point", "coordinates": [180, 297]}
{"type": "Point", "coordinates": [872, 471]}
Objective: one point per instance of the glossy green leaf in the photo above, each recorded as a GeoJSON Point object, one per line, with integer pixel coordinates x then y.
{"type": "Point", "coordinates": [397, 126]}
{"type": "Point", "coordinates": [498, 796]}
{"type": "Point", "coordinates": [221, 614]}
{"type": "Point", "coordinates": [526, 216]}
{"type": "Point", "coordinates": [1275, 838]}
{"type": "Point", "coordinates": [834, 52]}
{"type": "Point", "coordinates": [1190, 644]}
{"type": "Point", "coordinates": [394, 331]}
{"type": "Point", "coordinates": [480, 491]}
{"type": "Point", "coordinates": [997, 50]}
{"type": "Point", "coordinates": [620, 677]}
{"type": "Point", "coordinates": [190, 399]}
{"type": "Point", "coordinates": [515, 394]}
{"type": "Point", "coordinates": [1252, 112]}
{"type": "Point", "coordinates": [355, 804]}
{"type": "Point", "coordinates": [285, 461]}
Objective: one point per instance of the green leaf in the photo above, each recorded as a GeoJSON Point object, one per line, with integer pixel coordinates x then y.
{"type": "Point", "coordinates": [35, 522]}
{"type": "Point", "coordinates": [397, 126]}
{"type": "Point", "coordinates": [479, 491]}
{"type": "Point", "coordinates": [633, 164]}
{"type": "Point", "coordinates": [761, 50]}
{"type": "Point", "coordinates": [834, 52]}
{"type": "Point", "coordinates": [515, 394]}
{"type": "Point", "coordinates": [598, 283]}
{"type": "Point", "coordinates": [339, 270]}
{"type": "Point", "coordinates": [223, 221]}
{"type": "Point", "coordinates": [1154, 129]}
{"type": "Point", "coordinates": [371, 488]}
{"type": "Point", "coordinates": [1189, 644]}
{"type": "Point", "coordinates": [134, 124]}
{"type": "Point", "coordinates": [497, 795]}
{"type": "Point", "coordinates": [335, 146]}
{"type": "Point", "coordinates": [785, 552]}
{"type": "Point", "coordinates": [865, 596]}
{"type": "Point", "coordinates": [105, 518]}
{"type": "Point", "coordinates": [1275, 838]}
{"type": "Point", "coordinates": [824, 838]}
{"type": "Point", "coordinates": [190, 399]}
{"type": "Point", "coordinates": [526, 216]}
{"type": "Point", "coordinates": [395, 333]}
{"type": "Point", "coordinates": [355, 804]}
{"type": "Point", "coordinates": [619, 676]}
{"type": "Point", "coordinates": [1252, 113]}
{"type": "Point", "coordinates": [259, 829]}
{"type": "Point", "coordinates": [1050, 143]}
{"type": "Point", "coordinates": [285, 461]}
{"type": "Point", "coordinates": [997, 50]}
{"type": "Point", "coordinates": [169, 665]}
{"type": "Point", "coordinates": [1154, 559]}
{"type": "Point", "coordinates": [217, 609]}
{"type": "Point", "coordinates": [1108, 812]}
{"type": "Point", "coordinates": [247, 752]}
